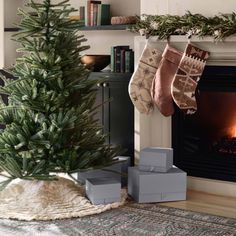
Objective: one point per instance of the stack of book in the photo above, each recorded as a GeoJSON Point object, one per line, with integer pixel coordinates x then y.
{"type": "Point", "coordinates": [122, 59]}
{"type": "Point", "coordinates": [95, 13]}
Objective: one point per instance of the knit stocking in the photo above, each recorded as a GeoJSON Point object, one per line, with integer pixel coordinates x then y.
{"type": "Point", "coordinates": [186, 79]}
{"type": "Point", "coordinates": [141, 80]}
{"type": "Point", "coordinates": [161, 86]}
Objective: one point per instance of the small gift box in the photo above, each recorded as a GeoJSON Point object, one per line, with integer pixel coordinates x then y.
{"type": "Point", "coordinates": [156, 159]}
{"type": "Point", "coordinates": [103, 190]}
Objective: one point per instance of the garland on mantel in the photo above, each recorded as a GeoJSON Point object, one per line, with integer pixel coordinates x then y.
{"type": "Point", "coordinates": [163, 26]}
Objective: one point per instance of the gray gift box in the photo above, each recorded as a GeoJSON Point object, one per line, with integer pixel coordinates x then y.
{"type": "Point", "coordinates": [121, 167]}
{"type": "Point", "coordinates": [156, 159]}
{"type": "Point", "coordinates": [103, 190]}
{"type": "Point", "coordinates": [157, 187]}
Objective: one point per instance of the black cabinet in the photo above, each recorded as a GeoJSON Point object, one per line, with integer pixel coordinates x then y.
{"type": "Point", "coordinates": [116, 115]}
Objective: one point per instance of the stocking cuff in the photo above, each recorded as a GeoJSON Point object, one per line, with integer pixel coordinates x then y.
{"type": "Point", "coordinates": [196, 53]}
{"type": "Point", "coordinates": [173, 55]}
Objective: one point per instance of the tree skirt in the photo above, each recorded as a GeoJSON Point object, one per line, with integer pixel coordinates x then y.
{"type": "Point", "coordinates": [48, 200]}
{"type": "Point", "coordinates": [131, 219]}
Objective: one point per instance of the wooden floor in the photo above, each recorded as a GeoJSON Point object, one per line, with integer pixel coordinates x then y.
{"type": "Point", "coordinates": [207, 203]}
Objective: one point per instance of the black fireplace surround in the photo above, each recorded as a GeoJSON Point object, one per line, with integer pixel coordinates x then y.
{"type": "Point", "coordinates": [205, 143]}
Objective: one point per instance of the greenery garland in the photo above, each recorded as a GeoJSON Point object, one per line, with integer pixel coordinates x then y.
{"type": "Point", "coordinates": [163, 26]}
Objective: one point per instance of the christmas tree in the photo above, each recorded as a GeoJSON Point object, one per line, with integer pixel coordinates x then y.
{"type": "Point", "coordinates": [49, 118]}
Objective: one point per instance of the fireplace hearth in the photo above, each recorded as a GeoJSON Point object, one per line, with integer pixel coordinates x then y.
{"type": "Point", "coordinates": [205, 143]}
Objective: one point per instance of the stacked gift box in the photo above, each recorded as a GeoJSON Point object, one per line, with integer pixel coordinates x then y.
{"type": "Point", "coordinates": [155, 179]}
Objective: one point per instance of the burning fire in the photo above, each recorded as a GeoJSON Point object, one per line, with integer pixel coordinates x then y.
{"type": "Point", "coordinates": [233, 132]}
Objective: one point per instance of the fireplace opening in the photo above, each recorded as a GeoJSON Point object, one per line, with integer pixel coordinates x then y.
{"type": "Point", "coordinates": [205, 143]}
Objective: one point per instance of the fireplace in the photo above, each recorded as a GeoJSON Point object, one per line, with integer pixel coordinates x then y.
{"type": "Point", "coordinates": [205, 143]}
{"type": "Point", "coordinates": [155, 130]}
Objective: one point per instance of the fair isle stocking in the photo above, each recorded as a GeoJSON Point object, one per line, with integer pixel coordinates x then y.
{"type": "Point", "coordinates": [141, 80]}
{"type": "Point", "coordinates": [186, 78]}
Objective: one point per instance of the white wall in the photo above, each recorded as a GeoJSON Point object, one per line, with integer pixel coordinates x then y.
{"type": "Point", "coordinates": [206, 7]}
{"type": "Point", "coordinates": [10, 10]}
{"type": "Point", "coordinates": [101, 41]}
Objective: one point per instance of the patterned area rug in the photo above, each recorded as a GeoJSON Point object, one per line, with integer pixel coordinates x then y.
{"type": "Point", "coordinates": [130, 220]}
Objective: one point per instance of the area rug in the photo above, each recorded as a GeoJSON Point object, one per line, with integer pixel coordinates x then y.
{"type": "Point", "coordinates": [130, 220]}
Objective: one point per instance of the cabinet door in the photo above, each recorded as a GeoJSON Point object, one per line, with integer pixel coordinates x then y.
{"type": "Point", "coordinates": [119, 115]}
{"type": "Point", "coordinates": [99, 102]}
{"type": "Point", "coordinates": [99, 99]}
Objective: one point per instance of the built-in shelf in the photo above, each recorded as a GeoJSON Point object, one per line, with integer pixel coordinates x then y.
{"type": "Point", "coordinates": [85, 28]}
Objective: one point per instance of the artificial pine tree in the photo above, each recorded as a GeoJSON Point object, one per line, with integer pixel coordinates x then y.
{"type": "Point", "coordinates": [49, 119]}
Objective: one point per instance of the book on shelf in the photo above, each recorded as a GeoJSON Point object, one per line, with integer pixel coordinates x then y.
{"type": "Point", "coordinates": [88, 10]}
{"type": "Point", "coordinates": [117, 53]}
{"type": "Point", "coordinates": [112, 59]}
{"type": "Point", "coordinates": [129, 61]}
{"type": "Point", "coordinates": [82, 13]}
{"type": "Point", "coordinates": [115, 57]}
{"type": "Point", "coordinates": [97, 13]}
{"type": "Point", "coordinates": [91, 13]}
{"type": "Point", "coordinates": [105, 14]}
{"type": "Point", "coordinates": [122, 59]}
{"type": "Point", "coordinates": [94, 12]}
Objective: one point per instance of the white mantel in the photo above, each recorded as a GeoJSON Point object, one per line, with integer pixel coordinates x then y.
{"type": "Point", "coordinates": [155, 129]}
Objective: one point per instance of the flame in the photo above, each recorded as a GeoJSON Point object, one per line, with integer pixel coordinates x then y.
{"type": "Point", "coordinates": [233, 131]}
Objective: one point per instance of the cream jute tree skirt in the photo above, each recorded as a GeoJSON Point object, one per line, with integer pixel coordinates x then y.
{"type": "Point", "coordinates": [48, 200]}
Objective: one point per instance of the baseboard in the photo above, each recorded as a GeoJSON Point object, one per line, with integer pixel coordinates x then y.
{"type": "Point", "coordinates": [217, 187]}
